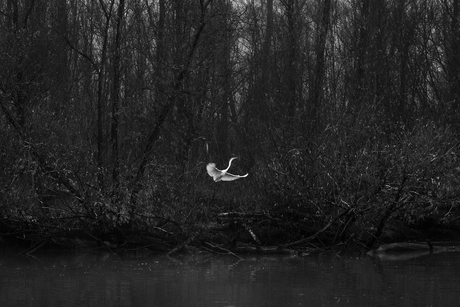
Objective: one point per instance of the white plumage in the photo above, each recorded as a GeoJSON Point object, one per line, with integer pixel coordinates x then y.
{"type": "Point", "coordinates": [222, 175]}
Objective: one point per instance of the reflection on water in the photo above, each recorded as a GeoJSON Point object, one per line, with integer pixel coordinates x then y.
{"type": "Point", "coordinates": [322, 280]}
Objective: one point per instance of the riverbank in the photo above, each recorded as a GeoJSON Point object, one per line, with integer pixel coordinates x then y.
{"type": "Point", "coordinates": [228, 233]}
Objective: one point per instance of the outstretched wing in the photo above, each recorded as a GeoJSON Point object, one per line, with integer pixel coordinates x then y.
{"type": "Point", "coordinates": [213, 171]}
{"type": "Point", "coordinates": [231, 177]}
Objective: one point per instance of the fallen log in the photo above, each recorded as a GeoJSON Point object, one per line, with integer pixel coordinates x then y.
{"type": "Point", "coordinates": [404, 250]}
{"type": "Point", "coordinates": [402, 247]}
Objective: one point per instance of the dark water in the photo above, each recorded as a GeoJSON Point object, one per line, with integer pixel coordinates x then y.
{"type": "Point", "coordinates": [91, 279]}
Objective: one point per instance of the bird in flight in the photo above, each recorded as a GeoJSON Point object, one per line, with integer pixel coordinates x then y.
{"type": "Point", "coordinates": [222, 175]}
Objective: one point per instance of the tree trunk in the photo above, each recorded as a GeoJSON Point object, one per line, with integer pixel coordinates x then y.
{"type": "Point", "coordinates": [116, 99]}
{"type": "Point", "coordinates": [453, 63]}
{"type": "Point", "coordinates": [360, 67]}
{"type": "Point", "coordinates": [321, 39]}
{"type": "Point", "coordinates": [100, 95]}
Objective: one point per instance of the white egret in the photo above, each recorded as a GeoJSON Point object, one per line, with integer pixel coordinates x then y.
{"type": "Point", "coordinates": [222, 175]}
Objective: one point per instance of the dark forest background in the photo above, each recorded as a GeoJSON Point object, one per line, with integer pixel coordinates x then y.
{"type": "Point", "coordinates": [345, 114]}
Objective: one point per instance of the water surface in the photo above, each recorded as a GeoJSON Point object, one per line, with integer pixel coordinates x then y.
{"type": "Point", "coordinates": [103, 279]}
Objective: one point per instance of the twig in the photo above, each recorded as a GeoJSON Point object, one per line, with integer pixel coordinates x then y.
{"type": "Point", "coordinates": [314, 236]}
{"type": "Point", "coordinates": [180, 246]}
{"type": "Point", "coordinates": [221, 250]}
{"type": "Point", "coordinates": [35, 247]}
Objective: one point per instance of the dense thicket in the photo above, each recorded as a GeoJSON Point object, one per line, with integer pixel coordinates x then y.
{"type": "Point", "coordinates": [344, 113]}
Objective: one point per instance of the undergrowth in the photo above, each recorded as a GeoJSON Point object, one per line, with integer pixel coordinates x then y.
{"type": "Point", "coordinates": [346, 186]}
